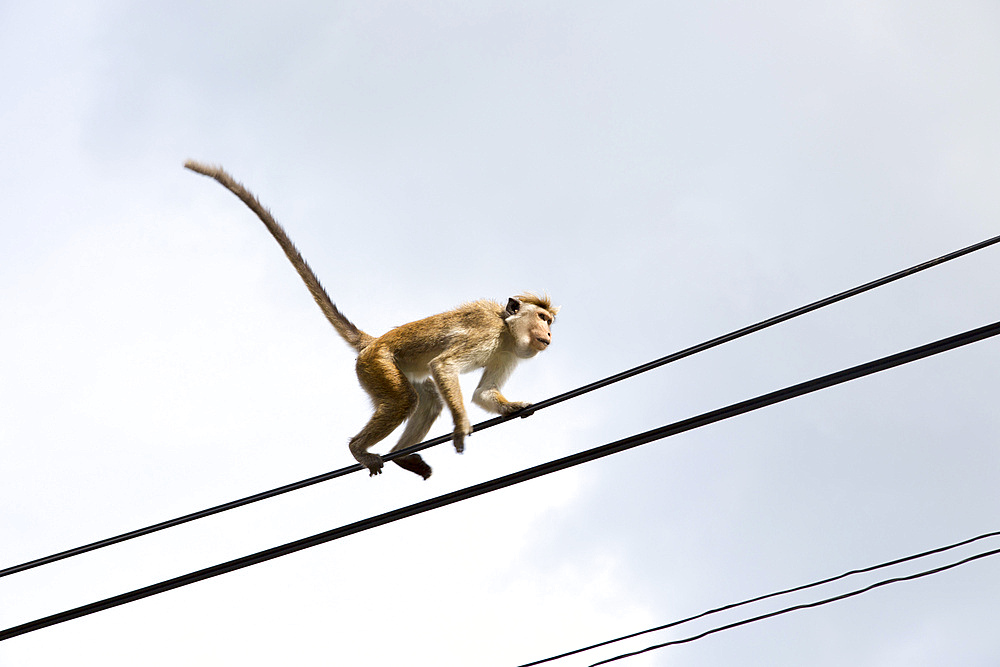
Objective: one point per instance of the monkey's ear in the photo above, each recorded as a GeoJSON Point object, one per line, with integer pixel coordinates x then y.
{"type": "Point", "coordinates": [513, 305]}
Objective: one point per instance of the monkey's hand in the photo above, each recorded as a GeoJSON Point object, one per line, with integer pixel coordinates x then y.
{"type": "Point", "coordinates": [458, 437]}
{"type": "Point", "coordinates": [510, 407]}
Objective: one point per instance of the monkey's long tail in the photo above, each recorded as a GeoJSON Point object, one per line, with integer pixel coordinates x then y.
{"type": "Point", "coordinates": [354, 336]}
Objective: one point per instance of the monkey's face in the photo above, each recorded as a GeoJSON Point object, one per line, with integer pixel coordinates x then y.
{"type": "Point", "coordinates": [532, 330]}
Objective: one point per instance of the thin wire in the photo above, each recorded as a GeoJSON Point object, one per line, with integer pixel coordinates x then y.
{"type": "Point", "coordinates": [786, 591]}
{"type": "Point", "coordinates": [739, 333]}
{"type": "Point", "coordinates": [807, 605]}
{"type": "Point", "coordinates": [777, 319]}
{"type": "Point", "coordinates": [682, 426]}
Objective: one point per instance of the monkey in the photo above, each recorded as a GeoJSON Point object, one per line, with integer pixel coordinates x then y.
{"type": "Point", "coordinates": [411, 371]}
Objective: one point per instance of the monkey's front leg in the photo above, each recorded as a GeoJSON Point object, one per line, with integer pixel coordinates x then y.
{"type": "Point", "coordinates": [487, 394]}
{"type": "Point", "coordinates": [458, 436]}
{"type": "Point", "coordinates": [491, 399]}
{"type": "Point", "coordinates": [510, 407]}
{"type": "Point", "coordinates": [446, 378]}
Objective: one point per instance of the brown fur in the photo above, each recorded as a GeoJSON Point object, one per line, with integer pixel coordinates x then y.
{"type": "Point", "coordinates": [411, 371]}
{"type": "Point", "coordinates": [542, 301]}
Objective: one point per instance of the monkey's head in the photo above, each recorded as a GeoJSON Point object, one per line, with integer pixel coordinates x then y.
{"type": "Point", "coordinates": [529, 319]}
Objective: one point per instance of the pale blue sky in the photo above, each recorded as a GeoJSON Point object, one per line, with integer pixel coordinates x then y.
{"type": "Point", "coordinates": [668, 172]}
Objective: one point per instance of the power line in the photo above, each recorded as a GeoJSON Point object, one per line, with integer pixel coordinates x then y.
{"type": "Point", "coordinates": [807, 605]}
{"type": "Point", "coordinates": [682, 426]}
{"type": "Point", "coordinates": [777, 319]}
{"type": "Point", "coordinates": [759, 598]}
{"type": "Point", "coordinates": [701, 347]}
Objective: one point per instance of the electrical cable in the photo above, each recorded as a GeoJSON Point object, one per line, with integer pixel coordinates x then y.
{"type": "Point", "coordinates": [807, 605]}
{"type": "Point", "coordinates": [739, 333]}
{"type": "Point", "coordinates": [675, 428]}
{"type": "Point", "coordinates": [759, 598]}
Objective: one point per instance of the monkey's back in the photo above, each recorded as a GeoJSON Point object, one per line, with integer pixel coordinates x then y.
{"type": "Point", "coordinates": [468, 335]}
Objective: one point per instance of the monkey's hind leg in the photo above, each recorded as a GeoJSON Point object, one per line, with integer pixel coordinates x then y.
{"type": "Point", "coordinates": [394, 399]}
{"type": "Point", "coordinates": [427, 410]}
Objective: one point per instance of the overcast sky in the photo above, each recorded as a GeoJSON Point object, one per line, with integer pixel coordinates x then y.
{"type": "Point", "coordinates": [666, 171]}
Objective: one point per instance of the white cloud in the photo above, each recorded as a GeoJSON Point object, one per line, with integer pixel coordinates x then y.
{"type": "Point", "coordinates": [666, 174]}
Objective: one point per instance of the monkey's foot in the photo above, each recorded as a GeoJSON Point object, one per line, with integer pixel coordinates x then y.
{"type": "Point", "coordinates": [414, 463]}
{"type": "Point", "coordinates": [371, 461]}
